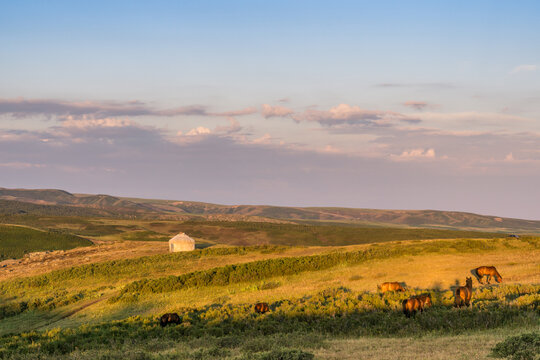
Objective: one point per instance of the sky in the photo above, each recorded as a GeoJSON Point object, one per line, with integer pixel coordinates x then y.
{"type": "Point", "coordinates": [386, 104]}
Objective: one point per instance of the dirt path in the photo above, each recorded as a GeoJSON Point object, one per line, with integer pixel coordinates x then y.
{"type": "Point", "coordinates": [74, 311]}
{"type": "Point", "coordinates": [43, 262]}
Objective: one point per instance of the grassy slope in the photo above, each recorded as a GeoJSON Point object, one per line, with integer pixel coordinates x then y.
{"type": "Point", "coordinates": [234, 232]}
{"type": "Point", "coordinates": [447, 261]}
{"type": "Point", "coordinates": [15, 241]}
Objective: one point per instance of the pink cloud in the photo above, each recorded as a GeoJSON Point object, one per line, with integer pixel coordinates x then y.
{"type": "Point", "coordinates": [269, 111]}
{"type": "Point", "coordinates": [415, 154]}
{"type": "Point", "coordinates": [348, 114]}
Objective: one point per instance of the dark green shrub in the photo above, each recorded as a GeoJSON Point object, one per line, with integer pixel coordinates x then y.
{"type": "Point", "coordinates": [282, 355]}
{"type": "Point", "coordinates": [523, 347]}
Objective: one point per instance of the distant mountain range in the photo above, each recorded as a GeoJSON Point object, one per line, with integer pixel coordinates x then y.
{"type": "Point", "coordinates": [105, 205]}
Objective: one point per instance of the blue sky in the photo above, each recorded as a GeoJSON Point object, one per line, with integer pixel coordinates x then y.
{"type": "Point", "coordinates": [392, 104]}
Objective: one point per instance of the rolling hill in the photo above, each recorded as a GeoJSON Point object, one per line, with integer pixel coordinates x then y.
{"type": "Point", "coordinates": [107, 205]}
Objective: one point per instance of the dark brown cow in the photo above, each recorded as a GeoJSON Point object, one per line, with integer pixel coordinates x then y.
{"type": "Point", "coordinates": [261, 308]}
{"type": "Point", "coordinates": [169, 318]}
{"type": "Point", "coordinates": [488, 271]}
{"type": "Point", "coordinates": [463, 294]}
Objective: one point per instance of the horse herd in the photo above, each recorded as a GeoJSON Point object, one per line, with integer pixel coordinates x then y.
{"type": "Point", "coordinates": [462, 296]}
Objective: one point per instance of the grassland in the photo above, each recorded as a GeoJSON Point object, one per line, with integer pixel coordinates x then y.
{"type": "Point", "coordinates": [323, 302]}
{"type": "Point", "coordinates": [15, 241]}
{"type": "Point", "coordinates": [241, 233]}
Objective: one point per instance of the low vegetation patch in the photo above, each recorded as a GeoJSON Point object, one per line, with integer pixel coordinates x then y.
{"type": "Point", "coordinates": [227, 327]}
{"type": "Point", "coordinates": [15, 241]}
{"type": "Point", "coordinates": [524, 347]}
{"type": "Point", "coordinates": [317, 235]}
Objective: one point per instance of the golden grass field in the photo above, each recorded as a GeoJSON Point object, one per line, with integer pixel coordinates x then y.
{"type": "Point", "coordinates": [518, 262]}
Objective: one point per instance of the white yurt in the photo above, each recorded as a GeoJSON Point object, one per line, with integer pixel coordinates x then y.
{"type": "Point", "coordinates": [181, 242]}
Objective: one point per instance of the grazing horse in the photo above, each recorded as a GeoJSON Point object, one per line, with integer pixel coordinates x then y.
{"type": "Point", "coordinates": [411, 306]}
{"type": "Point", "coordinates": [425, 301]}
{"type": "Point", "coordinates": [261, 308]}
{"type": "Point", "coordinates": [390, 286]}
{"type": "Point", "coordinates": [463, 294]}
{"type": "Point", "coordinates": [488, 271]}
{"type": "Point", "coordinates": [169, 318]}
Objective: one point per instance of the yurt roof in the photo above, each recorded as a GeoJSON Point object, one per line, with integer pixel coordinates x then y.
{"type": "Point", "coordinates": [182, 238]}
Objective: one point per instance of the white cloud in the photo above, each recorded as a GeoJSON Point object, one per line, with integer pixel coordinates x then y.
{"type": "Point", "coordinates": [199, 130]}
{"type": "Point", "coordinates": [523, 68]}
{"type": "Point", "coordinates": [275, 111]}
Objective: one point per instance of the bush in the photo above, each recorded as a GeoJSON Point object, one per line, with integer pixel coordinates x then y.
{"type": "Point", "coordinates": [523, 347]}
{"type": "Point", "coordinates": [282, 355]}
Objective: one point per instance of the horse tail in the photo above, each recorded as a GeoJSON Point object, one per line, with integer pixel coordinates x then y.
{"type": "Point", "coordinates": [404, 303]}
{"type": "Point", "coordinates": [457, 297]}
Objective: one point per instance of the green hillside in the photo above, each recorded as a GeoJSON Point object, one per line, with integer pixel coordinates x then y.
{"type": "Point", "coordinates": [15, 241]}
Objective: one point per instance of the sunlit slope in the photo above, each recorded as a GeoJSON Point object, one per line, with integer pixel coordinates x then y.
{"type": "Point", "coordinates": [324, 293]}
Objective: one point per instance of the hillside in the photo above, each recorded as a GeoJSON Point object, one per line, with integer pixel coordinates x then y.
{"type": "Point", "coordinates": [15, 241]}
{"type": "Point", "coordinates": [323, 301]}
{"type": "Point", "coordinates": [172, 209]}
{"type": "Point", "coordinates": [61, 197]}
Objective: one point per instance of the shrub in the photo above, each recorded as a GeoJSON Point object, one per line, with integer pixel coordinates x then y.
{"type": "Point", "coordinates": [523, 347]}
{"type": "Point", "coordinates": [282, 355]}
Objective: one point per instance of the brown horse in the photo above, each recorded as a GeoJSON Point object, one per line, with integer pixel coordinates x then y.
{"type": "Point", "coordinates": [416, 303]}
{"type": "Point", "coordinates": [411, 306]}
{"type": "Point", "coordinates": [261, 308]}
{"type": "Point", "coordinates": [390, 286]}
{"type": "Point", "coordinates": [488, 271]}
{"type": "Point", "coordinates": [463, 294]}
{"type": "Point", "coordinates": [169, 318]}
{"type": "Point", "coordinates": [425, 301]}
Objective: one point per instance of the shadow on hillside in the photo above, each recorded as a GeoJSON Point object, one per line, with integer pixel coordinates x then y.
{"type": "Point", "coordinates": [200, 246]}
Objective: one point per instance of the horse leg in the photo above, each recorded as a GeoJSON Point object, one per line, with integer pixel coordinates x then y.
{"type": "Point", "coordinates": [489, 279]}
